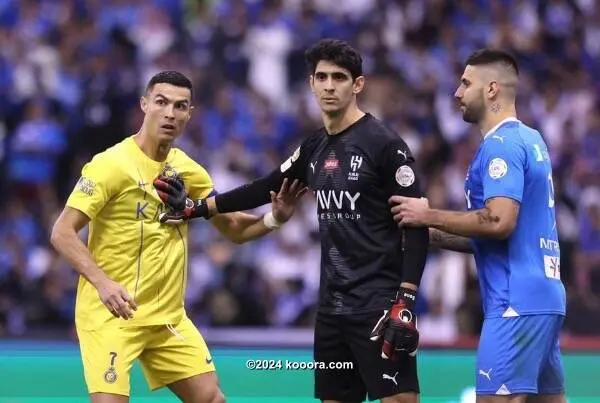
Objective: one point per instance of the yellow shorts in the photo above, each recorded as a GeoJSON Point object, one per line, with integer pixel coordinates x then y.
{"type": "Point", "coordinates": [167, 353]}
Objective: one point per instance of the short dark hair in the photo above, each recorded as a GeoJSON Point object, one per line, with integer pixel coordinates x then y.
{"type": "Point", "coordinates": [491, 56]}
{"type": "Point", "coordinates": [170, 77]}
{"type": "Point", "coordinates": [337, 52]}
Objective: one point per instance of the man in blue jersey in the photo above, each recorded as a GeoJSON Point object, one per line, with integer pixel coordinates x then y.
{"type": "Point", "coordinates": [510, 225]}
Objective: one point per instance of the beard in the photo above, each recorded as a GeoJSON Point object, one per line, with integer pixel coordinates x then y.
{"type": "Point", "coordinates": [474, 111]}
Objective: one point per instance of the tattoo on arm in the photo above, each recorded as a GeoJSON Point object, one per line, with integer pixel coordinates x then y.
{"type": "Point", "coordinates": [448, 241]}
{"type": "Point", "coordinates": [485, 216]}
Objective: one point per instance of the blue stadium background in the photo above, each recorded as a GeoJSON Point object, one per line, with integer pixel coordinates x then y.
{"type": "Point", "coordinates": [72, 71]}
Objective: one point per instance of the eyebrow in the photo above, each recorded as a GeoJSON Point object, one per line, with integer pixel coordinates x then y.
{"type": "Point", "coordinates": [332, 73]}
{"type": "Point", "coordinates": [168, 99]}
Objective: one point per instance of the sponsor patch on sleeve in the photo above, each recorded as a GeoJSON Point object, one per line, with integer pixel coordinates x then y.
{"type": "Point", "coordinates": [86, 186]}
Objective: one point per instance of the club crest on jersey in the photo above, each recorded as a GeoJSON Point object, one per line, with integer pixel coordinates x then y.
{"type": "Point", "coordinates": [355, 164]}
{"type": "Point", "coordinates": [497, 168]}
{"type": "Point", "coordinates": [110, 376]}
{"type": "Point", "coordinates": [405, 176]}
{"type": "Point", "coordinates": [169, 172]}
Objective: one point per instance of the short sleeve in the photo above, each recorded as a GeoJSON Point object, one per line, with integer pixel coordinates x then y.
{"type": "Point", "coordinates": [95, 186]}
{"type": "Point", "coordinates": [503, 168]}
{"type": "Point", "coordinates": [399, 170]}
{"type": "Point", "coordinates": [200, 184]}
{"type": "Point", "coordinates": [197, 180]}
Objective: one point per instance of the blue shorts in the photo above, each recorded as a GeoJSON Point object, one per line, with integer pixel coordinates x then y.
{"type": "Point", "coordinates": [520, 355]}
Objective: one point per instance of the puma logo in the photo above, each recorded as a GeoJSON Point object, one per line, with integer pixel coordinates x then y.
{"type": "Point", "coordinates": [391, 378]}
{"type": "Point", "coordinates": [486, 374]}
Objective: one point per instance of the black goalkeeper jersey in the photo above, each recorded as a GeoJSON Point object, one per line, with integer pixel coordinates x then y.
{"type": "Point", "coordinates": [352, 175]}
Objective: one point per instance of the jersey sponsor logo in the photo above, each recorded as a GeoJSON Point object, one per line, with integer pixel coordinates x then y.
{"type": "Point", "coordinates": [328, 199]}
{"type": "Point", "coordinates": [139, 211]}
{"type": "Point", "coordinates": [86, 185]}
{"type": "Point", "coordinates": [405, 176]}
{"type": "Point", "coordinates": [552, 267]}
{"type": "Point", "coordinates": [549, 244]}
{"type": "Point", "coordinates": [497, 168]}
{"type": "Point", "coordinates": [335, 204]}
{"type": "Point", "coordinates": [332, 163]}
{"type": "Point", "coordinates": [145, 210]}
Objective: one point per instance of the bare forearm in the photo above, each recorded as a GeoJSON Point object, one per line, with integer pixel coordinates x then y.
{"type": "Point", "coordinates": [241, 227]}
{"type": "Point", "coordinates": [68, 244]}
{"type": "Point", "coordinates": [478, 223]}
{"type": "Point", "coordinates": [448, 241]}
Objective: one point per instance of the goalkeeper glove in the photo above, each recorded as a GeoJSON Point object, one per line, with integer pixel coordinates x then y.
{"type": "Point", "coordinates": [171, 191]}
{"type": "Point", "coordinates": [398, 326]}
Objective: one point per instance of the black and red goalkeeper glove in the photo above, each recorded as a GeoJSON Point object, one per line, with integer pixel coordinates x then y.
{"type": "Point", "coordinates": [398, 326]}
{"type": "Point", "coordinates": [171, 191]}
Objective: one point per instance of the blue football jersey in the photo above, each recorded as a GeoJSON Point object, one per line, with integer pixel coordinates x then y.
{"type": "Point", "coordinates": [519, 275]}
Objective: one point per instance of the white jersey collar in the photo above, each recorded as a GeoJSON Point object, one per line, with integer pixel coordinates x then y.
{"type": "Point", "coordinates": [493, 129]}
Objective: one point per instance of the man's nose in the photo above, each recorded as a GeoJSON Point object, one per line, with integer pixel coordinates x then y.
{"type": "Point", "coordinates": [169, 111]}
{"type": "Point", "coordinates": [329, 84]}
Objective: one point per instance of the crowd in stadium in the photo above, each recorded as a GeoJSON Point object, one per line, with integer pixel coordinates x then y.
{"type": "Point", "coordinates": [72, 72]}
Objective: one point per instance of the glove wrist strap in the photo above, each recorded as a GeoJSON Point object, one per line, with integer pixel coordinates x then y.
{"type": "Point", "coordinates": [407, 295]}
{"type": "Point", "coordinates": [200, 209]}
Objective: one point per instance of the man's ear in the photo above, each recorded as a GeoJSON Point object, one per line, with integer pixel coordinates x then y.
{"type": "Point", "coordinates": [311, 82]}
{"type": "Point", "coordinates": [189, 116]}
{"type": "Point", "coordinates": [493, 89]}
{"type": "Point", "coordinates": [144, 104]}
{"type": "Point", "coordinates": [358, 85]}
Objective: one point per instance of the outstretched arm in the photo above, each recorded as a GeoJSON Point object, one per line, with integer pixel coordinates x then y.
{"type": "Point", "coordinates": [241, 227]}
{"type": "Point", "coordinates": [496, 220]}
{"type": "Point", "coordinates": [245, 197]}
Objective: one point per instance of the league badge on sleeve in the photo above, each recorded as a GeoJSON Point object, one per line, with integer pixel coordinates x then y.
{"type": "Point", "coordinates": [497, 168]}
{"type": "Point", "coordinates": [405, 176]}
{"type": "Point", "coordinates": [287, 164]}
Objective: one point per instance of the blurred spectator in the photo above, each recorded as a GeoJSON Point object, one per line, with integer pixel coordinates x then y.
{"type": "Point", "coordinates": [71, 73]}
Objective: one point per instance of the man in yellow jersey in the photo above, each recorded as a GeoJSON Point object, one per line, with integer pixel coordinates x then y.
{"type": "Point", "coordinates": [131, 292]}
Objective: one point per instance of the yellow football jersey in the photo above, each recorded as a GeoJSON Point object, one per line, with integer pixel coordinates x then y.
{"type": "Point", "coordinates": [125, 238]}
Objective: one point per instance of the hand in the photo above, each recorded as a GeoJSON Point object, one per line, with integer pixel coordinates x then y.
{"type": "Point", "coordinates": [398, 326]}
{"type": "Point", "coordinates": [116, 298]}
{"type": "Point", "coordinates": [284, 203]}
{"type": "Point", "coordinates": [410, 211]}
{"type": "Point", "coordinates": [171, 191]}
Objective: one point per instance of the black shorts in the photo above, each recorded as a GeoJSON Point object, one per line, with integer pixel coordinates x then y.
{"type": "Point", "coordinates": [344, 338]}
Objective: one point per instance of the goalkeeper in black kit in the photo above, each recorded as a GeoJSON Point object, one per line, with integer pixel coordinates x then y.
{"type": "Point", "coordinates": [370, 269]}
